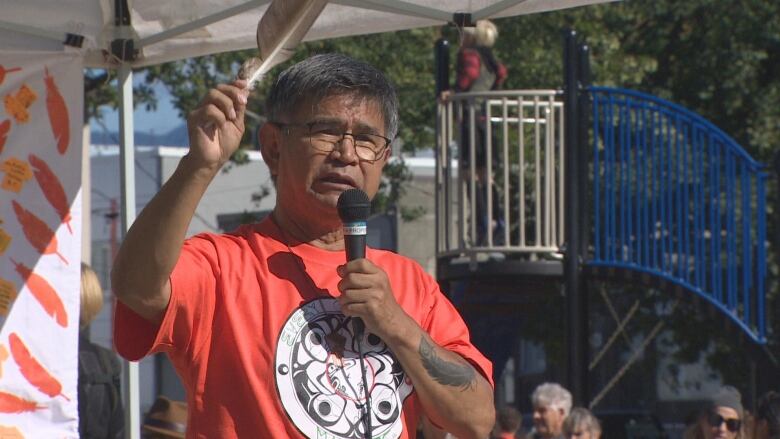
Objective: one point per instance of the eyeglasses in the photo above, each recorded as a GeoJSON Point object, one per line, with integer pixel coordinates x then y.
{"type": "Point", "coordinates": [715, 420]}
{"type": "Point", "coordinates": [325, 137]}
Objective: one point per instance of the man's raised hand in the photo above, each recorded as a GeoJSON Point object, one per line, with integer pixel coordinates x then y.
{"type": "Point", "coordinates": [217, 125]}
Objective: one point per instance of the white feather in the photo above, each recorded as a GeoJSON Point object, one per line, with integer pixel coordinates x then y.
{"type": "Point", "coordinates": [279, 32]}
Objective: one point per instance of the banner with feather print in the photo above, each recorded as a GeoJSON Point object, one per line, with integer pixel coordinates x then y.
{"type": "Point", "coordinates": [40, 242]}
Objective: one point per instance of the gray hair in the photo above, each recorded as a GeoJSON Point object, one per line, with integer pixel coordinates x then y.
{"type": "Point", "coordinates": [552, 395]}
{"type": "Point", "coordinates": [330, 74]}
{"type": "Point", "coordinates": [583, 418]}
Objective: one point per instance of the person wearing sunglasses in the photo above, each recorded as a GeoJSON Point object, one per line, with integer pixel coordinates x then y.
{"type": "Point", "coordinates": [722, 418]}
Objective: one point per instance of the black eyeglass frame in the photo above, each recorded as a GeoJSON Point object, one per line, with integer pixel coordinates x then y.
{"type": "Point", "coordinates": [715, 420]}
{"type": "Point", "coordinates": [377, 153]}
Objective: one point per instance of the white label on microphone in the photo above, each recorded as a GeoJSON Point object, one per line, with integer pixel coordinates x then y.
{"type": "Point", "coordinates": [356, 228]}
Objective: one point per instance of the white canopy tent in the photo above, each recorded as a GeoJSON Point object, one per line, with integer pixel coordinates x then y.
{"type": "Point", "coordinates": [126, 34]}
{"type": "Point", "coordinates": [176, 29]}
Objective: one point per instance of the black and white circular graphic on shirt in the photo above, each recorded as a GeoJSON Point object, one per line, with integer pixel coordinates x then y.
{"type": "Point", "coordinates": [319, 380]}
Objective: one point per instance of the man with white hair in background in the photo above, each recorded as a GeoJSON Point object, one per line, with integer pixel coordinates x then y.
{"type": "Point", "coordinates": [552, 404]}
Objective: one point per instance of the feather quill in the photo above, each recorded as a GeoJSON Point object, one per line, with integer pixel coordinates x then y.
{"type": "Point", "coordinates": [279, 31]}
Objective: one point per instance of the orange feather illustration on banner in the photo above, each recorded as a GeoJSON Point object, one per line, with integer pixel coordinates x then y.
{"type": "Point", "coordinates": [37, 232]}
{"type": "Point", "coordinates": [17, 105]}
{"type": "Point", "coordinates": [32, 370]}
{"type": "Point", "coordinates": [4, 71]}
{"type": "Point", "coordinates": [58, 113]}
{"type": "Point", "coordinates": [10, 403]}
{"type": "Point", "coordinates": [44, 293]}
{"type": "Point", "coordinates": [52, 189]}
{"type": "Point", "coordinates": [5, 127]}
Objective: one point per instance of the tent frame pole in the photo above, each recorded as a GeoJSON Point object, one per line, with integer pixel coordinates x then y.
{"type": "Point", "coordinates": [34, 31]}
{"type": "Point", "coordinates": [130, 376]}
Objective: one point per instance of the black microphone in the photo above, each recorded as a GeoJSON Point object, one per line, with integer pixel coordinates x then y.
{"type": "Point", "coordinates": [354, 208]}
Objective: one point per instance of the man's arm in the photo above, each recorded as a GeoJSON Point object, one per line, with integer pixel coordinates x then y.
{"type": "Point", "coordinates": [454, 395]}
{"type": "Point", "coordinates": [145, 261]}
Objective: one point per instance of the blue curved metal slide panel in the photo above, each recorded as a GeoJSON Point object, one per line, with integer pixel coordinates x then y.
{"type": "Point", "coordinates": [676, 197]}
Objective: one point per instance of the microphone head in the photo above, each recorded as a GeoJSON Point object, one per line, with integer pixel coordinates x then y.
{"type": "Point", "coordinates": [353, 206]}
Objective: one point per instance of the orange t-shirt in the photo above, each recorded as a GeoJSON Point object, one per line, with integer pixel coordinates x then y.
{"type": "Point", "coordinates": [258, 340]}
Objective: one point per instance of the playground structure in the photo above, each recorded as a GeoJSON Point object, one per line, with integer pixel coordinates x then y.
{"type": "Point", "coordinates": [591, 183]}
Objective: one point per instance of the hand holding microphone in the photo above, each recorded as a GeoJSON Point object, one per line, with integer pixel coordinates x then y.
{"type": "Point", "coordinates": [365, 288]}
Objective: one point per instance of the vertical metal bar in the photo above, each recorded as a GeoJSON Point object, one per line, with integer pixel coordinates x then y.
{"type": "Point", "coordinates": [553, 220]}
{"type": "Point", "coordinates": [685, 199]}
{"type": "Point", "coordinates": [576, 364]}
{"type": "Point", "coordinates": [596, 180]}
{"type": "Point", "coordinates": [472, 174]}
{"type": "Point", "coordinates": [439, 183]}
{"type": "Point", "coordinates": [655, 187]}
{"type": "Point", "coordinates": [621, 173]}
{"type": "Point", "coordinates": [610, 186]}
{"type": "Point", "coordinates": [678, 195]}
{"type": "Point", "coordinates": [761, 254]}
{"type": "Point", "coordinates": [548, 197]}
{"type": "Point", "coordinates": [668, 180]}
{"type": "Point", "coordinates": [521, 174]}
{"type": "Point", "coordinates": [489, 174]}
{"type": "Point", "coordinates": [537, 176]}
{"type": "Point", "coordinates": [640, 203]}
{"type": "Point", "coordinates": [646, 180]}
{"type": "Point", "coordinates": [462, 183]}
{"type": "Point", "coordinates": [697, 209]}
{"type": "Point", "coordinates": [731, 231]}
{"type": "Point", "coordinates": [130, 375]}
{"type": "Point", "coordinates": [717, 195]}
{"type": "Point", "coordinates": [448, 124]}
{"type": "Point", "coordinates": [639, 159]}
{"type": "Point", "coordinates": [507, 196]}
{"type": "Point", "coordinates": [561, 174]}
{"type": "Point", "coordinates": [583, 183]}
{"type": "Point", "coordinates": [746, 259]}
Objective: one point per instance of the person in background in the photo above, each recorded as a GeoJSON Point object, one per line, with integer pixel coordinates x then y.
{"type": "Point", "coordinates": [767, 419]}
{"type": "Point", "coordinates": [478, 70]}
{"type": "Point", "coordinates": [551, 403]}
{"type": "Point", "coordinates": [166, 419]}
{"type": "Point", "coordinates": [722, 418]}
{"type": "Point", "coordinates": [581, 424]}
{"type": "Point", "coordinates": [508, 422]}
{"type": "Point", "coordinates": [99, 396]}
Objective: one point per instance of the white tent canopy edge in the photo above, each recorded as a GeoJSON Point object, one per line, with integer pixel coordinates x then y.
{"type": "Point", "coordinates": [179, 29]}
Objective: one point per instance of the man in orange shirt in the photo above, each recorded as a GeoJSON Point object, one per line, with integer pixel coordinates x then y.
{"type": "Point", "coordinates": [260, 323]}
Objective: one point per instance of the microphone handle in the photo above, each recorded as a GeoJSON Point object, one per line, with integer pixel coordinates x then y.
{"type": "Point", "coordinates": [355, 247]}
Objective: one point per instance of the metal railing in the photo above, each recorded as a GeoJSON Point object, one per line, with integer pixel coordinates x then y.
{"type": "Point", "coordinates": [500, 173]}
{"type": "Point", "coordinates": [675, 197]}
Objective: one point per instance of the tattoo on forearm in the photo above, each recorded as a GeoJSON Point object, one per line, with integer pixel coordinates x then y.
{"type": "Point", "coordinates": [445, 372]}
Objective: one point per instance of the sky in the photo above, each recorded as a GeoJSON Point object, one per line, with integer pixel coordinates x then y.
{"type": "Point", "coordinates": [164, 119]}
